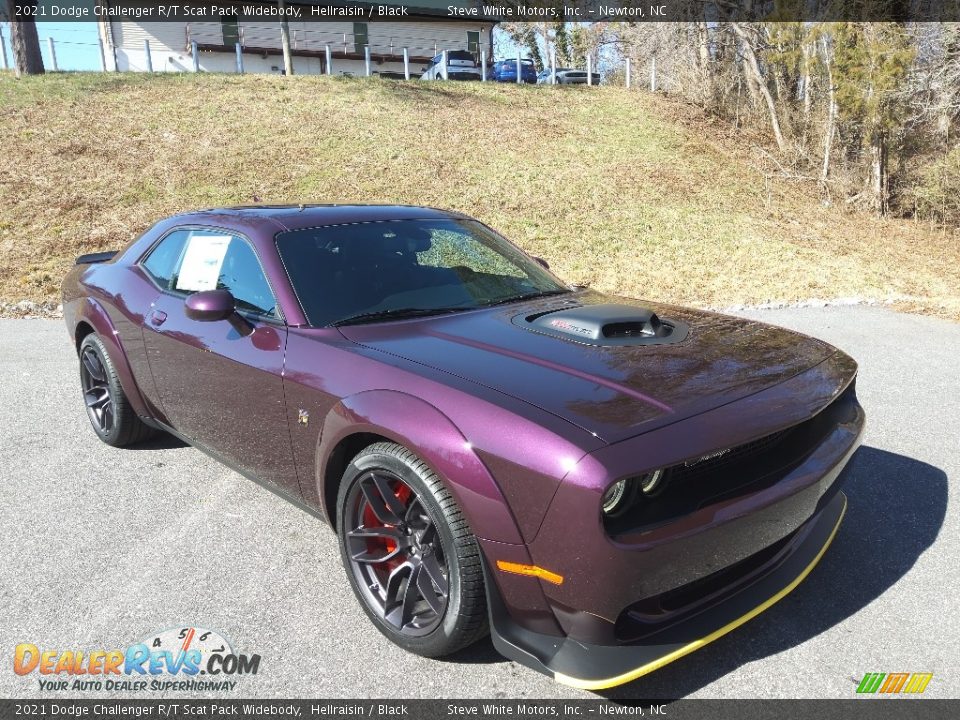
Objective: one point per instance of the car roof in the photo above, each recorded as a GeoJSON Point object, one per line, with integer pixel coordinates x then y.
{"type": "Point", "coordinates": [294, 217]}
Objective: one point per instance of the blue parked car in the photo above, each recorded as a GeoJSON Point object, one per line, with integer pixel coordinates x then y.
{"type": "Point", "coordinates": [506, 71]}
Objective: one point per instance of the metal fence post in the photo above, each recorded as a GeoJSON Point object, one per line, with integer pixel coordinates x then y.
{"type": "Point", "coordinates": [628, 73]}
{"type": "Point", "coordinates": [519, 74]}
{"type": "Point", "coordinates": [553, 66]}
{"type": "Point", "coordinates": [406, 64]}
{"type": "Point", "coordinates": [196, 55]}
{"type": "Point", "coordinates": [653, 74]}
{"type": "Point", "coordinates": [483, 66]}
{"type": "Point", "coordinates": [3, 51]}
{"type": "Point", "coordinates": [366, 58]}
{"type": "Point", "coordinates": [53, 54]}
{"type": "Point", "coordinates": [329, 61]}
{"type": "Point", "coordinates": [146, 50]}
{"type": "Point", "coordinates": [445, 68]}
{"type": "Point", "coordinates": [240, 58]}
{"type": "Point", "coordinates": [589, 70]}
{"type": "Point", "coordinates": [103, 55]}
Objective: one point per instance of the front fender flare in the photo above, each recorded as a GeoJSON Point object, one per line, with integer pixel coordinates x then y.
{"type": "Point", "coordinates": [94, 314]}
{"type": "Point", "coordinates": [422, 428]}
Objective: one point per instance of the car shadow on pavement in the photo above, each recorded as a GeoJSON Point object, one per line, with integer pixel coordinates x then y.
{"type": "Point", "coordinates": [163, 441]}
{"type": "Point", "coordinates": [895, 511]}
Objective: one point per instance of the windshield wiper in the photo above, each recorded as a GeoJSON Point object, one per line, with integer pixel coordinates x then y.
{"type": "Point", "coordinates": [395, 314]}
{"type": "Point", "coordinates": [525, 296]}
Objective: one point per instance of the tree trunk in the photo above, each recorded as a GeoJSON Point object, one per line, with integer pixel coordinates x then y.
{"type": "Point", "coordinates": [26, 44]}
{"type": "Point", "coordinates": [878, 174]}
{"type": "Point", "coordinates": [831, 115]}
{"type": "Point", "coordinates": [703, 45]}
{"type": "Point", "coordinates": [753, 66]}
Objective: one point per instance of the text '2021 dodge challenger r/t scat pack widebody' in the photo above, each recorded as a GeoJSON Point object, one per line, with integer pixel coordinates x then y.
{"type": "Point", "coordinates": [603, 484]}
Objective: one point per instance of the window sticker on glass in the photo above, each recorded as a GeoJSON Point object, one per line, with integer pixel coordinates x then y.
{"type": "Point", "coordinates": [202, 260]}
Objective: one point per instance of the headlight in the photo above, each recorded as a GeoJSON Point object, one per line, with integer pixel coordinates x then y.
{"type": "Point", "coordinates": [620, 495]}
{"type": "Point", "coordinates": [650, 482]}
{"type": "Point", "coordinates": [613, 497]}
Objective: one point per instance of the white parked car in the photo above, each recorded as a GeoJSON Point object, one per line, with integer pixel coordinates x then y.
{"type": "Point", "coordinates": [567, 76]}
{"type": "Point", "coordinates": [460, 66]}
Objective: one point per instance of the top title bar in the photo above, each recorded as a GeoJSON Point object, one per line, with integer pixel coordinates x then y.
{"type": "Point", "coordinates": [142, 11]}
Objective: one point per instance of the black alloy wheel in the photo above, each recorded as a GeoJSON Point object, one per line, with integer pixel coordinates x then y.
{"type": "Point", "coordinates": [410, 556]}
{"type": "Point", "coordinates": [112, 417]}
{"type": "Point", "coordinates": [396, 553]}
{"type": "Point", "coordinates": [96, 390]}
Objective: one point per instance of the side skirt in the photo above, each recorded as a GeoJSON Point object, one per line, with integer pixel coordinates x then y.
{"type": "Point", "coordinates": [262, 483]}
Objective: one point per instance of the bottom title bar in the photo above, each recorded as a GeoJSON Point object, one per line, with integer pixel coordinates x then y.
{"type": "Point", "coordinates": [868, 709]}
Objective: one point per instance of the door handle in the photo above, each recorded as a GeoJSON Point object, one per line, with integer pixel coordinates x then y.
{"type": "Point", "coordinates": [157, 318]}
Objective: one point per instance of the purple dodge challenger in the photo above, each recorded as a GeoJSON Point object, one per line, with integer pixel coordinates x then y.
{"type": "Point", "coordinates": [602, 484]}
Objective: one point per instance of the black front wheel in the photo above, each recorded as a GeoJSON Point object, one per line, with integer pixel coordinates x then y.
{"type": "Point", "coordinates": [409, 554]}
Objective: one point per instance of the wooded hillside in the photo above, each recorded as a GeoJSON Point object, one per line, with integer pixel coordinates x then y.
{"type": "Point", "coordinates": [628, 191]}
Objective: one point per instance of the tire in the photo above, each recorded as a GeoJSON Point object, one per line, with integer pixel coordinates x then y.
{"type": "Point", "coordinates": [110, 414]}
{"type": "Point", "coordinates": [403, 542]}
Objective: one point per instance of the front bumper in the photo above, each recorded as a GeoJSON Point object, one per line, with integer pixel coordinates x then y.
{"type": "Point", "coordinates": [596, 667]}
{"type": "Point", "coordinates": [633, 600]}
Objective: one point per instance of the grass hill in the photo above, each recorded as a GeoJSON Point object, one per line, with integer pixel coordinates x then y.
{"type": "Point", "coordinates": [621, 190]}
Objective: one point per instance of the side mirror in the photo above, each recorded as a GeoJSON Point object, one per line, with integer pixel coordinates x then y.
{"type": "Point", "coordinates": [210, 305]}
{"type": "Point", "coordinates": [214, 305]}
{"type": "Point", "coordinates": [544, 263]}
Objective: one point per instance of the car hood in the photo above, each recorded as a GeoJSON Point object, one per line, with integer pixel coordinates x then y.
{"type": "Point", "coordinates": [612, 392]}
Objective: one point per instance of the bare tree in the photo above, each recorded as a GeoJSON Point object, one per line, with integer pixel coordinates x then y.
{"type": "Point", "coordinates": [749, 42]}
{"type": "Point", "coordinates": [831, 110]}
{"type": "Point", "coordinates": [26, 44]}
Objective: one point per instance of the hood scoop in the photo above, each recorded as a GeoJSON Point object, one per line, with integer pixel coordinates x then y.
{"type": "Point", "coordinates": [605, 325]}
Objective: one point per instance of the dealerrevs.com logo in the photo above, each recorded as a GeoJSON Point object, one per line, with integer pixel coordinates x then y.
{"type": "Point", "coordinates": [181, 659]}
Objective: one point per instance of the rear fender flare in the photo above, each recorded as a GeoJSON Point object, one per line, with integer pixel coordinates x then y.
{"type": "Point", "coordinates": [93, 314]}
{"type": "Point", "coordinates": [422, 428]}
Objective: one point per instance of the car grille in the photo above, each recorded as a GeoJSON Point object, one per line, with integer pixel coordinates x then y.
{"type": "Point", "coordinates": [714, 464]}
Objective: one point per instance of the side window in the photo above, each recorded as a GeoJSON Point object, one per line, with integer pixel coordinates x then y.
{"type": "Point", "coordinates": [220, 261]}
{"type": "Point", "coordinates": [473, 43]}
{"type": "Point", "coordinates": [242, 275]}
{"type": "Point", "coordinates": [163, 260]}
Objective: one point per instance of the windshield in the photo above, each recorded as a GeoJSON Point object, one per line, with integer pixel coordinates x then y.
{"type": "Point", "coordinates": [398, 268]}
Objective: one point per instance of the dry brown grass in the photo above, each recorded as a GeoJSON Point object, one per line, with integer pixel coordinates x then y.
{"type": "Point", "coordinates": [625, 191]}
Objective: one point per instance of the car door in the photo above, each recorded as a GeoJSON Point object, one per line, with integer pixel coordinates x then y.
{"type": "Point", "coordinates": [218, 383]}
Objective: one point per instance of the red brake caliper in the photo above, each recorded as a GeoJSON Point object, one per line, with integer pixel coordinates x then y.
{"type": "Point", "coordinates": [402, 493]}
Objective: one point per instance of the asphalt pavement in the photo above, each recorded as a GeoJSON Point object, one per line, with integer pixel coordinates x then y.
{"type": "Point", "coordinates": [101, 548]}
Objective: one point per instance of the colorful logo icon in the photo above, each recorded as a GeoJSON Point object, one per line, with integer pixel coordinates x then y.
{"type": "Point", "coordinates": [894, 683]}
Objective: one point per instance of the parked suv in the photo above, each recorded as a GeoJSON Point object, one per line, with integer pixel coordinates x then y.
{"type": "Point", "coordinates": [506, 71]}
{"type": "Point", "coordinates": [460, 66]}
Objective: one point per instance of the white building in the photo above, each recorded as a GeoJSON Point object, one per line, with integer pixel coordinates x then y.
{"type": "Point", "coordinates": [425, 32]}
